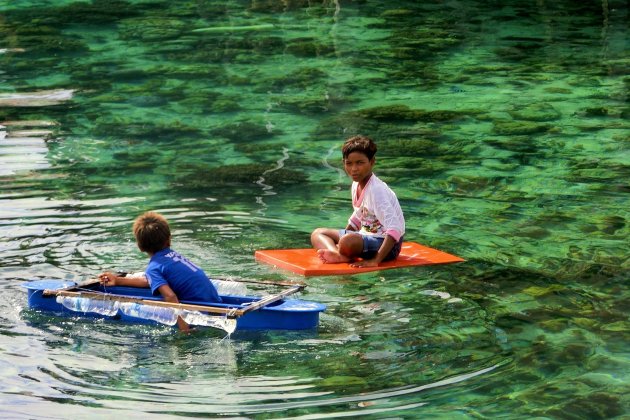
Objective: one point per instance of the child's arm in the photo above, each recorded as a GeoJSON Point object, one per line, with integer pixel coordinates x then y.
{"type": "Point", "coordinates": [170, 296]}
{"type": "Point", "coordinates": [111, 279]}
{"type": "Point", "coordinates": [386, 246]}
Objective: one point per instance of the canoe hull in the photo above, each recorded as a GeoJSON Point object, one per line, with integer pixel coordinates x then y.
{"type": "Point", "coordinates": [285, 314]}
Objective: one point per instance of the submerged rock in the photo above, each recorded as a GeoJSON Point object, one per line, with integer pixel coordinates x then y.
{"type": "Point", "coordinates": [408, 147]}
{"type": "Point", "coordinates": [554, 325]}
{"type": "Point", "coordinates": [257, 148]}
{"type": "Point", "coordinates": [536, 112]}
{"type": "Point", "coordinates": [539, 291]}
{"type": "Point", "coordinates": [618, 327]}
{"type": "Point", "coordinates": [225, 104]}
{"type": "Point", "coordinates": [595, 112]}
{"type": "Point", "coordinates": [152, 29]}
{"type": "Point", "coordinates": [534, 232]}
{"type": "Point", "coordinates": [469, 183]}
{"type": "Point", "coordinates": [130, 127]}
{"type": "Point", "coordinates": [411, 167]}
{"type": "Point", "coordinates": [344, 125]}
{"type": "Point", "coordinates": [519, 144]}
{"type": "Point", "coordinates": [53, 44]}
{"type": "Point", "coordinates": [597, 405]}
{"type": "Point", "coordinates": [404, 113]}
{"type": "Point", "coordinates": [237, 28]}
{"type": "Point", "coordinates": [308, 47]}
{"type": "Point", "coordinates": [611, 224]}
{"type": "Point", "coordinates": [414, 42]}
{"type": "Point", "coordinates": [202, 177]}
{"type": "Point", "coordinates": [515, 128]}
{"type": "Point", "coordinates": [315, 102]}
{"type": "Point", "coordinates": [562, 91]}
{"type": "Point", "coordinates": [395, 13]}
{"type": "Point", "coordinates": [273, 6]}
{"type": "Point", "coordinates": [244, 131]}
{"type": "Point", "coordinates": [96, 11]}
{"type": "Point", "coordinates": [301, 78]}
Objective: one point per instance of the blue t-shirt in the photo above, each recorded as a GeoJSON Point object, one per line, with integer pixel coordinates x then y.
{"type": "Point", "coordinates": [188, 281]}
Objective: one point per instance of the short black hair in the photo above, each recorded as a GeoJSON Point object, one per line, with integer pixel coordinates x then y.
{"type": "Point", "coordinates": [361, 144]}
{"type": "Point", "coordinates": [151, 231]}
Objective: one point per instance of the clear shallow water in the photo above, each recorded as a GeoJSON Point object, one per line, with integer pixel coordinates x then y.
{"type": "Point", "coordinates": [502, 127]}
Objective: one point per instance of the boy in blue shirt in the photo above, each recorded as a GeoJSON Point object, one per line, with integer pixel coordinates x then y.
{"type": "Point", "coordinates": [168, 273]}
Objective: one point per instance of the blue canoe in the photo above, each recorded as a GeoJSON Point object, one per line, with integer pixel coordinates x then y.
{"type": "Point", "coordinates": [250, 312]}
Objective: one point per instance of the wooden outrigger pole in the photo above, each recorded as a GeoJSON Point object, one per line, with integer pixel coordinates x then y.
{"type": "Point", "coordinates": [230, 312]}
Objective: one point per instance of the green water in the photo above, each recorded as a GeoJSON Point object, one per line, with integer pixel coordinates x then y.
{"type": "Point", "coordinates": [502, 126]}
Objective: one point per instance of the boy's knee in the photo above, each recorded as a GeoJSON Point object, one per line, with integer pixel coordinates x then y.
{"type": "Point", "coordinates": [351, 245]}
{"type": "Point", "coordinates": [317, 232]}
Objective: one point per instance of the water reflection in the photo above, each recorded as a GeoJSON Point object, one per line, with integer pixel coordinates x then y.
{"type": "Point", "coordinates": [23, 146]}
{"type": "Point", "coordinates": [94, 359]}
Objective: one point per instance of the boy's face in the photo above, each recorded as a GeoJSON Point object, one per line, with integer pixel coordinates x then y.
{"type": "Point", "coordinates": [358, 166]}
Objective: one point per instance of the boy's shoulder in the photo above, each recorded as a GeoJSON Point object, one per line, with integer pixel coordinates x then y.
{"type": "Point", "coordinates": [381, 186]}
{"type": "Point", "coordinates": [378, 181]}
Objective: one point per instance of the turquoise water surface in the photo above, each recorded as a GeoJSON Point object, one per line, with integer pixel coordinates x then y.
{"type": "Point", "coordinates": [503, 127]}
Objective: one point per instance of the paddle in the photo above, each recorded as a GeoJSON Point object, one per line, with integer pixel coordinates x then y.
{"type": "Point", "coordinates": [239, 280]}
{"type": "Point", "coordinates": [271, 299]}
{"type": "Point", "coordinates": [270, 283]}
{"type": "Point", "coordinates": [85, 283]}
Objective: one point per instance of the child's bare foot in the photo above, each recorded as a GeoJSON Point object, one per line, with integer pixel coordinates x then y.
{"type": "Point", "coordinates": [331, 257]}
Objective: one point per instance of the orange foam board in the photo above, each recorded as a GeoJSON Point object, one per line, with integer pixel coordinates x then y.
{"type": "Point", "coordinates": [306, 262]}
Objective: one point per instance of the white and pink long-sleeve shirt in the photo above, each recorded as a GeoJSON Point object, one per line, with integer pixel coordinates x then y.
{"type": "Point", "coordinates": [377, 211]}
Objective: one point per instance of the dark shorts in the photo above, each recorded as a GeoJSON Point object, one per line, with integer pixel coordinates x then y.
{"type": "Point", "coordinates": [372, 244]}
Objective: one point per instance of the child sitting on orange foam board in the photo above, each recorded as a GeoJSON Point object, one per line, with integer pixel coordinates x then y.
{"type": "Point", "coordinates": [375, 230]}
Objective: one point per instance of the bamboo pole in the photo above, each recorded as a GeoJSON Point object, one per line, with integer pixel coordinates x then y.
{"type": "Point", "coordinates": [265, 282]}
{"type": "Point", "coordinates": [241, 280]}
{"type": "Point", "coordinates": [271, 299]}
{"type": "Point", "coordinates": [230, 312]}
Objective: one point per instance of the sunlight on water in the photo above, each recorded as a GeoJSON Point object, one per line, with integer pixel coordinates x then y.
{"type": "Point", "coordinates": [502, 127]}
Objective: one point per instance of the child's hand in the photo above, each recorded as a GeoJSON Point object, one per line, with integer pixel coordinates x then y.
{"type": "Point", "coordinates": [108, 279]}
